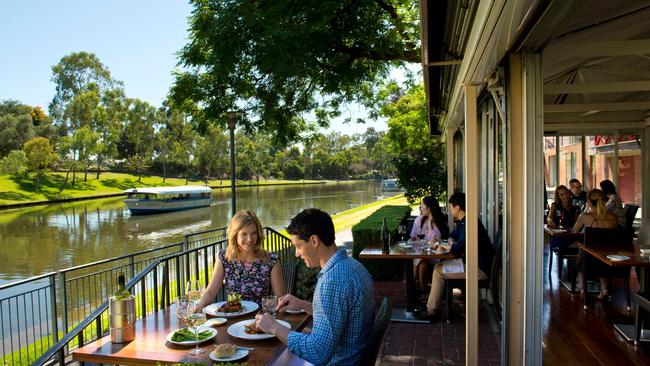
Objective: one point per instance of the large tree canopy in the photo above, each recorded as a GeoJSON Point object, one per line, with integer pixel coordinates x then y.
{"type": "Point", "coordinates": [278, 59]}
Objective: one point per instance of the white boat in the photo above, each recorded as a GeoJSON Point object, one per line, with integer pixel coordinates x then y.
{"type": "Point", "coordinates": [390, 185]}
{"type": "Point", "coordinates": [149, 200]}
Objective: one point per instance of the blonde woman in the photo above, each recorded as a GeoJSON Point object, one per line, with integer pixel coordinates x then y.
{"type": "Point", "coordinates": [596, 215]}
{"type": "Point", "coordinates": [247, 268]}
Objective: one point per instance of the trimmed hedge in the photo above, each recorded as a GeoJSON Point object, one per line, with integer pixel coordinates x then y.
{"type": "Point", "coordinates": [367, 233]}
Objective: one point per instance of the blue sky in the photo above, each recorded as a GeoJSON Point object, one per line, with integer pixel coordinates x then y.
{"type": "Point", "coordinates": [137, 40]}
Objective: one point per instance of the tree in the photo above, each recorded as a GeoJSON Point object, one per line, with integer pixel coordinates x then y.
{"type": "Point", "coordinates": [137, 136]}
{"type": "Point", "coordinates": [40, 156]}
{"type": "Point", "coordinates": [212, 152]}
{"type": "Point", "coordinates": [277, 59]}
{"type": "Point", "coordinates": [15, 163]}
{"type": "Point", "coordinates": [418, 159]}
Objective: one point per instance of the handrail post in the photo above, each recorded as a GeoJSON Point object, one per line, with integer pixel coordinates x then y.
{"type": "Point", "coordinates": [55, 317]}
{"type": "Point", "coordinates": [64, 302]}
{"type": "Point", "coordinates": [186, 262]}
{"type": "Point", "coordinates": [131, 267]}
{"type": "Point", "coordinates": [155, 288]}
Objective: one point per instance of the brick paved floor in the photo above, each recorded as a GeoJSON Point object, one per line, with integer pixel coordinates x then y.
{"type": "Point", "coordinates": [433, 344]}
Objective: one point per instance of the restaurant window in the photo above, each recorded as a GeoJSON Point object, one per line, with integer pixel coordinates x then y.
{"type": "Point", "coordinates": [600, 154]}
{"type": "Point", "coordinates": [629, 169]}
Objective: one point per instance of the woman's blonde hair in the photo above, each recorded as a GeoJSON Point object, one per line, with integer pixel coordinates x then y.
{"type": "Point", "coordinates": [597, 199]}
{"type": "Point", "coordinates": [239, 222]}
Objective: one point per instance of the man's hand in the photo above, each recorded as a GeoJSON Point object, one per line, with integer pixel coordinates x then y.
{"type": "Point", "coordinates": [290, 302]}
{"type": "Point", "coordinates": [268, 324]}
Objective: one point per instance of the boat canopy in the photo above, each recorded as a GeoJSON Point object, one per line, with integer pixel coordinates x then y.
{"type": "Point", "coordinates": [170, 190]}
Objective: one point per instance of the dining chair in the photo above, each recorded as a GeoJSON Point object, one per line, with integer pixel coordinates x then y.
{"type": "Point", "coordinates": [373, 346]}
{"type": "Point", "coordinates": [289, 270]}
{"type": "Point", "coordinates": [484, 280]}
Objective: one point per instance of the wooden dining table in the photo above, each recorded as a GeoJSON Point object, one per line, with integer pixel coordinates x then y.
{"type": "Point", "coordinates": [150, 346]}
{"type": "Point", "coordinates": [407, 254]}
{"type": "Point", "coordinates": [636, 259]}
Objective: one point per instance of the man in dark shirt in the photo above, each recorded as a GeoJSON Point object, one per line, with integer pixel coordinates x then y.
{"type": "Point", "coordinates": [457, 242]}
{"type": "Point", "coordinates": [578, 196]}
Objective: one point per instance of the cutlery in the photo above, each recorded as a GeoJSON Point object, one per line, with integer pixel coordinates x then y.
{"type": "Point", "coordinates": [246, 348]}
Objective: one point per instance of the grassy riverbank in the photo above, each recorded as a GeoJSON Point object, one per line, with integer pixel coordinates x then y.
{"type": "Point", "coordinates": [15, 190]}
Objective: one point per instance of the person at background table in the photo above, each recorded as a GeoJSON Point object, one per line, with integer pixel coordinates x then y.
{"type": "Point", "coordinates": [247, 268]}
{"type": "Point", "coordinates": [433, 225]}
{"type": "Point", "coordinates": [343, 303]}
{"type": "Point", "coordinates": [614, 203]}
{"type": "Point", "coordinates": [457, 247]}
{"type": "Point", "coordinates": [596, 215]}
{"type": "Point", "coordinates": [562, 211]}
{"type": "Point", "coordinates": [578, 196]}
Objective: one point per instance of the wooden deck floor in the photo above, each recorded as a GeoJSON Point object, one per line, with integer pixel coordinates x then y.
{"type": "Point", "coordinates": [573, 336]}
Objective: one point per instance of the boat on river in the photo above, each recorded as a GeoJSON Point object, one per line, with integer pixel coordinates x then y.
{"type": "Point", "coordinates": [390, 185]}
{"type": "Point", "coordinates": [150, 200]}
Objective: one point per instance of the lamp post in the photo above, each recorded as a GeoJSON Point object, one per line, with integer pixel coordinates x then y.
{"type": "Point", "coordinates": [231, 116]}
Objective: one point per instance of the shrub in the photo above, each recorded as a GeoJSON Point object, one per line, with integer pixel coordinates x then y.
{"type": "Point", "coordinates": [367, 233]}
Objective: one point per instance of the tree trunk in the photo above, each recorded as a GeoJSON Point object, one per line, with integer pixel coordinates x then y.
{"type": "Point", "coordinates": [38, 181]}
{"type": "Point", "coordinates": [85, 172]}
{"type": "Point", "coordinates": [164, 170]}
{"type": "Point", "coordinates": [67, 174]}
{"type": "Point", "coordinates": [99, 165]}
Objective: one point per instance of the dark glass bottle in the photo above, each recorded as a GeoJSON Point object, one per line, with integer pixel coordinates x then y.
{"type": "Point", "coordinates": [385, 238]}
{"type": "Point", "coordinates": [121, 292]}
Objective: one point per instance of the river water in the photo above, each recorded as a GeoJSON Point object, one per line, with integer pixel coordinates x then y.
{"type": "Point", "coordinates": [41, 239]}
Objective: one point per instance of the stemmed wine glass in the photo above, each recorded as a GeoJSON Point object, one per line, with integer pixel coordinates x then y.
{"type": "Point", "coordinates": [194, 290]}
{"type": "Point", "coordinates": [194, 320]}
{"type": "Point", "coordinates": [401, 231]}
{"type": "Point", "coordinates": [421, 234]}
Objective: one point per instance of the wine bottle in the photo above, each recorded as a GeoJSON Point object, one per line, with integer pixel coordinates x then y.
{"type": "Point", "coordinates": [121, 293]}
{"type": "Point", "coordinates": [385, 238]}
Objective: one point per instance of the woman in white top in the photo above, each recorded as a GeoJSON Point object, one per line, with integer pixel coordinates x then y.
{"type": "Point", "coordinates": [432, 226]}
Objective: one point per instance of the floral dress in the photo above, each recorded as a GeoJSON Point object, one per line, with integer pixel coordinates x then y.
{"type": "Point", "coordinates": [251, 280]}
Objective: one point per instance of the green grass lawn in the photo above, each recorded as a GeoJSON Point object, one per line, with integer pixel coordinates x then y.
{"type": "Point", "coordinates": [22, 190]}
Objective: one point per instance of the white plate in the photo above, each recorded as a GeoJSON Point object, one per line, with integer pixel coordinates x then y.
{"type": "Point", "coordinates": [247, 307]}
{"type": "Point", "coordinates": [405, 246]}
{"type": "Point", "coordinates": [215, 322]}
{"type": "Point", "coordinates": [191, 343]}
{"type": "Point", "coordinates": [237, 330]}
{"type": "Point", "coordinates": [616, 257]}
{"type": "Point", "coordinates": [239, 354]}
{"type": "Point", "coordinates": [416, 242]}
{"type": "Point", "coordinates": [299, 311]}
{"type": "Point", "coordinates": [444, 251]}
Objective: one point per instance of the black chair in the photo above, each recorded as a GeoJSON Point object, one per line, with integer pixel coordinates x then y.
{"type": "Point", "coordinates": [289, 270]}
{"type": "Point", "coordinates": [484, 281]}
{"type": "Point", "coordinates": [642, 306]}
{"type": "Point", "coordinates": [630, 214]}
{"type": "Point", "coordinates": [569, 253]}
{"type": "Point", "coordinates": [373, 347]}
{"type": "Point", "coordinates": [594, 237]}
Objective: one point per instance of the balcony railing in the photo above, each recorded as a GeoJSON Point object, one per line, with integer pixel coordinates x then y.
{"type": "Point", "coordinates": [41, 318]}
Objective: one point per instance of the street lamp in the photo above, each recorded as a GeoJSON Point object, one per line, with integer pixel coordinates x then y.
{"type": "Point", "coordinates": [231, 116]}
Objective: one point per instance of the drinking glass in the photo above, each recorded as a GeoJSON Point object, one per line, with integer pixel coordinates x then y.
{"type": "Point", "coordinates": [194, 321]}
{"type": "Point", "coordinates": [269, 304]}
{"type": "Point", "coordinates": [194, 290]}
{"type": "Point", "coordinates": [421, 234]}
{"type": "Point", "coordinates": [183, 309]}
{"type": "Point", "coordinates": [401, 231]}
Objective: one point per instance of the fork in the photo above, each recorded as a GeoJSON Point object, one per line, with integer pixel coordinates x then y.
{"type": "Point", "coordinates": [246, 348]}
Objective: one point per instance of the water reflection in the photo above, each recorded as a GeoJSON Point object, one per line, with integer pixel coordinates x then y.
{"type": "Point", "coordinates": [40, 239]}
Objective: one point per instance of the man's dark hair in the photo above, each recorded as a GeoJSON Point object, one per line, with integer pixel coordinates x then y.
{"type": "Point", "coordinates": [608, 187]}
{"type": "Point", "coordinates": [574, 180]}
{"type": "Point", "coordinates": [458, 199]}
{"type": "Point", "coordinates": [313, 221]}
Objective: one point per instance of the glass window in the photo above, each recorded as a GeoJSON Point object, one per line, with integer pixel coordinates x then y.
{"type": "Point", "coordinates": [629, 169]}
{"type": "Point", "coordinates": [600, 155]}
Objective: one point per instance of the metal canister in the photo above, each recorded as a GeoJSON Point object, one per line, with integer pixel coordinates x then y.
{"type": "Point", "coordinates": [122, 319]}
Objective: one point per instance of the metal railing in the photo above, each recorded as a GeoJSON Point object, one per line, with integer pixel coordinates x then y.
{"type": "Point", "coordinates": [41, 312]}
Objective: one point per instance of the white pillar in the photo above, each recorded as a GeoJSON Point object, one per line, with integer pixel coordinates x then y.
{"type": "Point", "coordinates": [525, 274]}
{"type": "Point", "coordinates": [471, 225]}
{"type": "Point", "coordinates": [451, 170]}
{"type": "Point", "coordinates": [645, 172]}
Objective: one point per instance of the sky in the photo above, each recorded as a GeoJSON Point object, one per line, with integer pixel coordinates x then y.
{"type": "Point", "coordinates": [136, 39]}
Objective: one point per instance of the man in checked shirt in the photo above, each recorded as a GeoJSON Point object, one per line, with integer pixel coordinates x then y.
{"type": "Point", "coordinates": [343, 307]}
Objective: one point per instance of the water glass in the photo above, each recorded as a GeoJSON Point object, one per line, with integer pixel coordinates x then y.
{"type": "Point", "coordinates": [269, 304]}
{"type": "Point", "coordinates": [183, 309]}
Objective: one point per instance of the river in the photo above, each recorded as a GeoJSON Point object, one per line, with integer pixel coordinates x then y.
{"type": "Point", "coordinates": [41, 239]}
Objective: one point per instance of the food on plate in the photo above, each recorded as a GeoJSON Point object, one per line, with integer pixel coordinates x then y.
{"type": "Point", "coordinates": [252, 329]}
{"type": "Point", "coordinates": [233, 305]}
{"type": "Point", "coordinates": [225, 350]}
{"type": "Point", "coordinates": [184, 335]}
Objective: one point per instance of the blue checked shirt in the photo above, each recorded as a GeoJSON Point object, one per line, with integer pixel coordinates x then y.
{"type": "Point", "coordinates": [343, 314]}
